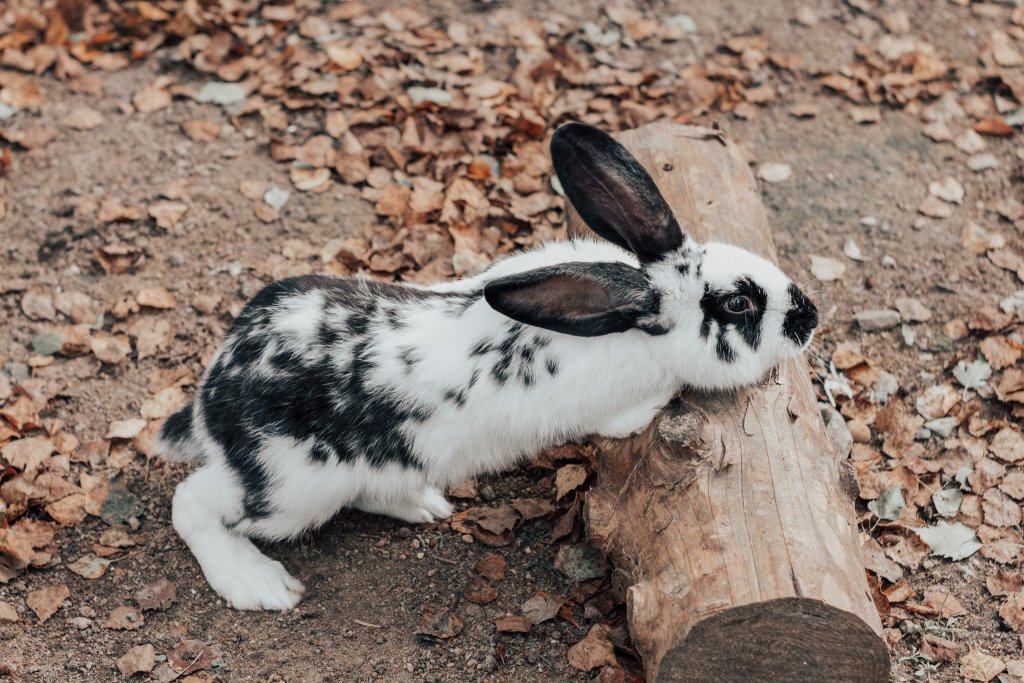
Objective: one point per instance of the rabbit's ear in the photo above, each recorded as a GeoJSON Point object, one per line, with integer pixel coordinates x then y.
{"type": "Point", "coordinates": [613, 193]}
{"type": "Point", "coordinates": [582, 299]}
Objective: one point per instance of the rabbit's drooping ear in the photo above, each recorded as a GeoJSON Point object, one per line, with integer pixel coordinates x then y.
{"type": "Point", "coordinates": [582, 299]}
{"type": "Point", "coordinates": [613, 193]}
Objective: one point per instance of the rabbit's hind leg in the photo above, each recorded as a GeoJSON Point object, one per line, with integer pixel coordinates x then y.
{"type": "Point", "coordinates": [234, 567]}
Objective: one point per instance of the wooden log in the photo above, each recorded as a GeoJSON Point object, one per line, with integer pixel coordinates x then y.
{"type": "Point", "coordinates": [729, 519]}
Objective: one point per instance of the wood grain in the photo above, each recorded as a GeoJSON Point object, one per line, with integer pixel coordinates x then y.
{"type": "Point", "coordinates": [729, 519]}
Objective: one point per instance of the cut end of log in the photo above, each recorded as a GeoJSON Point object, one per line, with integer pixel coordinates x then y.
{"type": "Point", "coordinates": [790, 640]}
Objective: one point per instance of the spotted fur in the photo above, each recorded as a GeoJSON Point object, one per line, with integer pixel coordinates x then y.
{"type": "Point", "coordinates": [333, 392]}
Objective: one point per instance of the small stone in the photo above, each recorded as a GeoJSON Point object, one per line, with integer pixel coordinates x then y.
{"type": "Point", "coordinates": [682, 22]}
{"type": "Point", "coordinates": [805, 16]}
{"type": "Point", "coordinates": [877, 319]}
{"type": "Point", "coordinates": [826, 268]}
{"type": "Point", "coordinates": [225, 94]}
{"type": "Point", "coordinates": [969, 142]}
{"type": "Point", "coordinates": [774, 172]}
{"type": "Point", "coordinates": [912, 309]}
{"type": "Point", "coordinates": [81, 623]}
{"type": "Point", "coordinates": [982, 162]}
{"type": "Point", "coordinates": [948, 189]}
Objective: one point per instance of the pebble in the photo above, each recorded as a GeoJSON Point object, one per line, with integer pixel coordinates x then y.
{"type": "Point", "coordinates": [774, 172]}
{"type": "Point", "coordinates": [912, 309]}
{"type": "Point", "coordinates": [81, 623]}
{"type": "Point", "coordinates": [982, 162]}
{"type": "Point", "coordinates": [877, 319]}
{"type": "Point", "coordinates": [889, 262]}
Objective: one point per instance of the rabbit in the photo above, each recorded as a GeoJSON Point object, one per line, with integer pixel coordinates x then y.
{"type": "Point", "coordinates": [336, 392]}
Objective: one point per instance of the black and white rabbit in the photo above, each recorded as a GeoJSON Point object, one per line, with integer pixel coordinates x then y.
{"type": "Point", "coordinates": [346, 392]}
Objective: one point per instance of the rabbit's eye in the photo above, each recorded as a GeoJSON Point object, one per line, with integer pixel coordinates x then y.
{"type": "Point", "coordinates": [739, 305]}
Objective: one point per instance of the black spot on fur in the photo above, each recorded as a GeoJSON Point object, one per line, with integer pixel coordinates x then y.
{"type": "Point", "coordinates": [409, 358]}
{"type": "Point", "coordinates": [178, 427]}
{"type": "Point", "coordinates": [801, 318]}
{"type": "Point", "coordinates": [552, 367]}
{"type": "Point", "coordinates": [714, 305]}
{"type": "Point", "coordinates": [309, 398]}
{"type": "Point", "coordinates": [456, 397]}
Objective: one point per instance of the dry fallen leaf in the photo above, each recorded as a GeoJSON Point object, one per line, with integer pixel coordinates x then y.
{"type": "Point", "coordinates": [83, 118]}
{"type": "Point", "coordinates": [593, 651]}
{"type": "Point", "coordinates": [978, 666]}
{"type": "Point", "coordinates": [156, 297]}
{"type": "Point", "coordinates": [190, 656]}
{"type": "Point", "coordinates": [491, 566]}
{"type": "Point", "coordinates": [167, 213]}
{"type": "Point", "coordinates": [46, 601]}
{"type": "Point", "coordinates": [124, 618]}
{"type": "Point", "coordinates": [157, 595]}
{"type": "Point", "coordinates": [139, 659]}
{"type": "Point", "coordinates": [437, 623]}
{"type": "Point", "coordinates": [201, 130]}
{"type": "Point", "coordinates": [568, 478]}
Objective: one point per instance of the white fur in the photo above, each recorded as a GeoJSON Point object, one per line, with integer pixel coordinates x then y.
{"type": "Point", "coordinates": [609, 385]}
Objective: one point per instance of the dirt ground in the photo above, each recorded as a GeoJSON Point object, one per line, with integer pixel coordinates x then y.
{"type": "Point", "coordinates": [368, 578]}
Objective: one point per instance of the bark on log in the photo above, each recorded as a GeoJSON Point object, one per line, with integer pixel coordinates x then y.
{"type": "Point", "coordinates": [730, 517]}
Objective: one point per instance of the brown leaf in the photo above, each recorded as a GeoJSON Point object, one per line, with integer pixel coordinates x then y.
{"type": "Point", "coordinates": [166, 402]}
{"type": "Point", "coordinates": [491, 526]}
{"type": "Point", "coordinates": [937, 604]}
{"type": "Point", "coordinates": [1000, 510]}
{"type": "Point", "coordinates": [1001, 352]}
{"type": "Point", "coordinates": [167, 213]}
{"type": "Point", "coordinates": [124, 618]}
{"type": "Point", "coordinates": [994, 125]}
{"type": "Point", "coordinates": [90, 566]}
{"type": "Point", "coordinates": [159, 594]}
{"type": "Point", "coordinates": [533, 508]}
{"type": "Point", "coordinates": [978, 666]}
{"type": "Point", "coordinates": [480, 591]}
{"type": "Point", "coordinates": [8, 614]}
{"type": "Point", "coordinates": [1012, 611]}
{"type": "Point", "coordinates": [491, 566]}
{"type": "Point", "coordinates": [46, 601]}
{"type": "Point", "coordinates": [593, 651]}
{"type": "Point", "coordinates": [83, 118]}
{"type": "Point", "coordinates": [190, 656]}
{"type": "Point", "coordinates": [346, 58]}
{"type": "Point", "coordinates": [1003, 545]}
{"type": "Point", "coordinates": [69, 510]}
{"type": "Point", "coordinates": [29, 453]}
{"type": "Point", "coordinates": [125, 429]}
{"type": "Point", "coordinates": [1008, 445]}
{"type": "Point", "coordinates": [153, 97]}
{"type": "Point", "coordinates": [111, 211]}
{"type": "Point", "coordinates": [568, 478]}
{"type": "Point", "coordinates": [201, 130]}
{"type": "Point", "coordinates": [139, 659]}
{"type": "Point", "coordinates": [438, 623]}
{"type": "Point", "coordinates": [541, 608]}
{"type": "Point", "coordinates": [112, 350]}
{"type": "Point", "coordinates": [156, 297]}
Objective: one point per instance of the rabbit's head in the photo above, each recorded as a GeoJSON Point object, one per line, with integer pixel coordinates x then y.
{"type": "Point", "coordinates": [718, 316]}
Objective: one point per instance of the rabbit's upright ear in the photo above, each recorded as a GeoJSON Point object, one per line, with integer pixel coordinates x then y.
{"type": "Point", "coordinates": [582, 299]}
{"type": "Point", "coordinates": [613, 193]}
